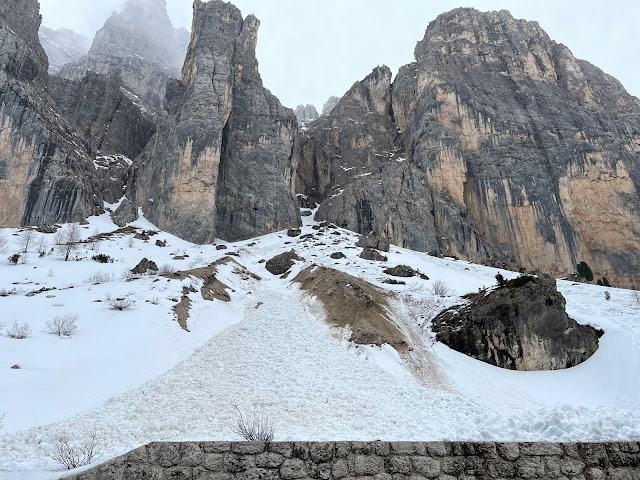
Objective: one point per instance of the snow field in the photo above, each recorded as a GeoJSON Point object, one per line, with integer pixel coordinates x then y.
{"type": "Point", "coordinates": [136, 377]}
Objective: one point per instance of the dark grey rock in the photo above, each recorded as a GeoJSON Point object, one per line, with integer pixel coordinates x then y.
{"type": "Point", "coordinates": [472, 152]}
{"type": "Point", "coordinates": [47, 176]}
{"type": "Point", "coordinates": [372, 254]}
{"type": "Point", "coordinates": [144, 266]}
{"type": "Point", "coordinates": [373, 241]}
{"type": "Point", "coordinates": [404, 271]}
{"type": "Point", "coordinates": [160, 243]}
{"type": "Point", "coordinates": [126, 213]}
{"type": "Point", "coordinates": [330, 104]}
{"type": "Point", "coordinates": [63, 46]}
{"type": "Point", "coordinates": [221, 165]}
{"type": "Point", "coordinates": [47, 228]}
{"type": "Point", "coordinates": [338, 255]}
{"type": "Point", "coordinates": [145, 54]}
{"type": "Point", "coordinates": [306, 114]}
{"type": "Point", "coordinates": [221, 247]}
{"type": "Point", "coordinates": [282, 263]}
{"type": "Point", "coordinates": [294, 232]}
{"type": "Point", "coordinates": [141, 236]}
{"type": "Point", "coordinates": [520, 326]}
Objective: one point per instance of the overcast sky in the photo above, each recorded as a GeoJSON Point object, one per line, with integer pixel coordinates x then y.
{"type": "Point", "coordinates": [311, 49]}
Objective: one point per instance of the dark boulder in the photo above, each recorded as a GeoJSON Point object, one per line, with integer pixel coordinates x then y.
{"type": "Point", "coordinates": [144, 266]}
{"type": "Point", "coordinates": [373, 241]}
{"type": "Point", "coordinates": [294, 232]}
{"type": "Point", "coordinates": [282, 263]}
{"type": "Point", "coordinates": [372, 254]}
{"type": "Point", "coordinates": [338, 255]}
{"type": "Point", "coordinates": [126, 213]}
{"type": "Point", "coordinates": [522, 325]}
{"type": "Point", "coordinates": [404, 271]}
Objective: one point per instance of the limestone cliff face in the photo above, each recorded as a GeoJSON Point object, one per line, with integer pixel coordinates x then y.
{"type": "Point", "coordinates": [530, 157]}
{"type": "Point", "coordinates": [221, 162]}
{"type": "Point", "coordinates": [141, 45]}
{"type": "Point", "coordinates": [46, 175]}
{"type": "Point", "coordinates": [63, 46]}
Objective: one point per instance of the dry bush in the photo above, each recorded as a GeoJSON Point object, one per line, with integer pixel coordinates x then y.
{"type": "Point", "coordinates": [72, 456]}
{"type": "Point", "coordinates": [119, 304]}
{"type": "Point", "coordinates": [166, 269]}
{"type": "Point", "coordinates": [63, 326]}
{"type": "Point", "coordinates": [258, 428]}
{"type": "Point", "coordinates": [19, 331]}
{"type": "Point", "coordinates": [441, 289]}
{"type": "Point", "coordinates": [2, 417]}
{"type": "Point", "coordinates": [99, 277]}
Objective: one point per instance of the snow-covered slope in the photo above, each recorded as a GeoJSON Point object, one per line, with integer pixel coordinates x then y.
{"type": "Point", "coordinates": [136, 376]}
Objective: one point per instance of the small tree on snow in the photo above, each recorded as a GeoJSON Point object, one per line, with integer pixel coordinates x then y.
{"type": "Point", "coordinates": [70, 240]}
{"type": "Point", "coordinates": [585, 271]}
{"type": "Point", "coordinates": [25, 240]}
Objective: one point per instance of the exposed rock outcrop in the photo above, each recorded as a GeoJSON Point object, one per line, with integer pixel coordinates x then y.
{"type": "Point", "coordinates": [352, 303]}
{"type": "Point", "coordinates": [306, 113]}
{"type": "Point", "coordinates": [46, 175]}
{"type": "Point", "coordinates": [142, 46]}
{"type": "Point", "coordinates": [63, 46]}
{"type": "Point", "coordinates": [98, 110]}
{"type": "Point", "coordinates": [330, 104]}
{"type": "Point", "coordinates": [114, 129]}
{"type": "Point", "coordinates": [221, 164]}
{"type": "Point", "coordinates": [496, 146]}
{"type": "Point", "coordinates": [522, 325]}
{"type": "Point", "coordinates": [282, 263]}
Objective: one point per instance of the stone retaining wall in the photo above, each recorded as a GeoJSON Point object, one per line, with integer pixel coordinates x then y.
{"type": "Point", "coordinates": [373, 461]}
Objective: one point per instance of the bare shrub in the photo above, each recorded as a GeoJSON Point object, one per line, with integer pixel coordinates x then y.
{"type": "Point", "coordinates": [63, 326]}
{"type": "Point", "coordinates": [2, 417]}
{"type": "Point", "coordinates": [119, 304]}
{"type": "Point", "coordinates": [99, 277]}
{"type": "Point", "coordinates": [19, 331]}
{"type": "Point", "coordinates": [127, 275]}
{"type": "Point", "coordinates": [636, 293]}
{"type": "Point", "coordinates": [25, 239]}
{"type": "Point", "coordinates": [73, 456]}
{"type": "Point", "coordinates": [70, 240]}
{"type": "Point", "coordinates": [258, 428]}
{"type": "Point", "coordinates": [5, 292]}
{"type": "Point", "coordinates": [441, 289]}
{"type": "Point", "coordinates": [166, 269]}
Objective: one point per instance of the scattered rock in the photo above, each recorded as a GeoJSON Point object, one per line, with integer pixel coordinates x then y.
{"type": "Point", "coordinates": [141, 236]}
{"type": "Point", "coordinates": [15, 367]}
{"type": "Point", "coordinates": [221, 247]}
{"type": "Point", "coordinates": [144, 266]}
{"type": "Point", "coordinates": [294, 232]}
{"type": "Point", "coordinates": [316, 227]}
{"type": "Point", "coordinates": [373, 241]}
{"type": "Point", "coordinates": [47, 229]}
{"type": "Point", "coordinates": [282, 263]}
{"type": "Point", "coordinates": [404, 271]}
{"type": "Point", "coordinates": [160, 243]}
{"type": "Point", "coordinates": [372, 254]}
{"type": "Point", "coordinates": [306, 213]}
{"type": "Point", "coordinates": [338, 255]}
{"type": "Point", "coordinates": [392, 281]}
{"type": "Point", "coordinates": [522, 325]}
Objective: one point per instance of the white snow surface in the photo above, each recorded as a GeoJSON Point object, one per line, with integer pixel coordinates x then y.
{"type": "Point", "coordinates": [135, 376]}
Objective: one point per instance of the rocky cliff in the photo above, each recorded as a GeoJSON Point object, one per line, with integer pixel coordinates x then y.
{"type": "Point", "coordinates": [142, 46]}
{"type": "Point", "coordinates": [63, 46]}
{"type": "Point", "coordinates": [46, 175]}
{"type": "Point", "coordinates": [221, 164]}
{"type": "Point", "coordinates": [496, 145]}
{"type": "Point", "coordinates": [306, 113]}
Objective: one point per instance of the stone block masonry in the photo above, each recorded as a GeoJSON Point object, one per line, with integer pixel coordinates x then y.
{"type": "Point", "coordinates": [372, 461]}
